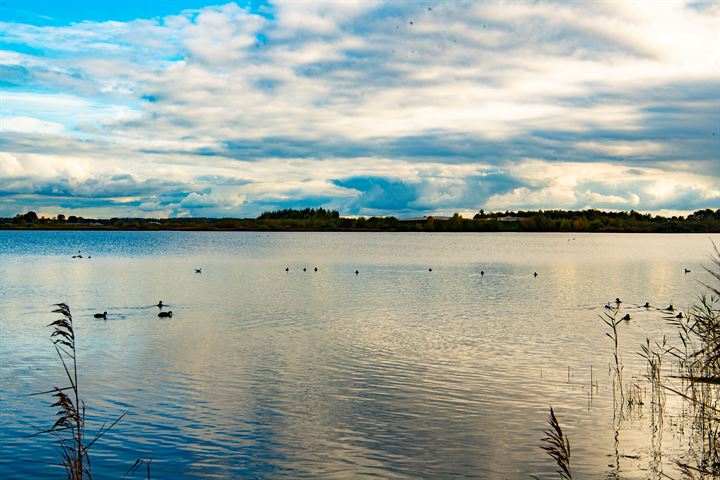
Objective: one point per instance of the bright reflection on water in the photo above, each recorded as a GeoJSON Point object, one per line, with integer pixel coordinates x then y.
{"type": "Point", "coordinates": [397, 372]}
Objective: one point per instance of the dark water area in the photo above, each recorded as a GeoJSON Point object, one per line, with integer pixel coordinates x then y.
{"type": "Point", "coordinates": [396, 372]}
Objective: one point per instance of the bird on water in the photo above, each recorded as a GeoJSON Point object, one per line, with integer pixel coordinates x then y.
{"type": "Point", "coordinates": [647, 305]}
{"type": "Point", "coordinates": [198, 270]}
{"type": "Point", "coordinates": [165, 314]}
{"type": "Point", "coordinates": [101, 315]}
{"type": "Point", "coordinates": [626, 317]}
{"type": "Point", "coordinates": [356, 272]}
{"type": "Point", "coordinates": [160, 304]}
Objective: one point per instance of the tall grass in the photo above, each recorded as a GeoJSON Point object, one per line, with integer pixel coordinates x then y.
{"type": "Point", "coordinates": [69, 428]}
{"type": "Point", "coordinates": [613, 322]}
{"type": "Point", "coordinates": [557, 445]}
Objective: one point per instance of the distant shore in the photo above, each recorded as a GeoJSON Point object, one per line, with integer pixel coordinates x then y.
{"type": "Point", "coordinates": [321, 220]}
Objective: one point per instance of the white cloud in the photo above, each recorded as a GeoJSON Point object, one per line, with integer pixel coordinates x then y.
{"type": "Point", "coordinates": [621, 148]}
{"type": "Point", "coordinates": [318, 91]}
{"type": "Point", "coordinates": [21, 124]}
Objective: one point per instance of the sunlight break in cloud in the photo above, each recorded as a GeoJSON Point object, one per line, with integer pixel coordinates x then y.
{"type": "Point", "coordinates": [373, 108]}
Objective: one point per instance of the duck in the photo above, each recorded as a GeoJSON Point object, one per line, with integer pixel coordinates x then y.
{"type": "Point", "coordinates": [315, 269]}
{"type": "Point", "coordinates": [618, 301]}
{"type": "Point", "coordinates": [482, 272]}
{"type": "Point", "coordinates": [304, 269]}
{"type": "Point", "coordinates": [535, 274]}
{"type": "Point", "coordinates": [679, 315]}
{"type": "Point", "coordinates": [670, 308]}
{"type": "Point", "coordinates": [198, 270]}
{"type": "Point", "coordinates": [626, 317]}
{"type": "Point", "coordinates": [287, 269]}
{"type": "Point", "coordinates": [647, 305]}
{"type": "Point", "coordinates": [101, 315]}
{"type": "Point", "coordinates": [430, 269]}
{"type": "Point", "coordinates": [687, 271]}
{"type": "Point", "coordinates": [165, 314]}
{"type": "Point", "coordinates": [356, 272]}
{"type": "Point", "coordinates": [160, 304]}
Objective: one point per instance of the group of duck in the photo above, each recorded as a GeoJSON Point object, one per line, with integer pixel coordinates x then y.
{"type": "Point", "coordinates": [357, 272]}
{"type": "Point", "coordinates": [669, 309]}
{"type": "Point", "coordinates": [161, 314]}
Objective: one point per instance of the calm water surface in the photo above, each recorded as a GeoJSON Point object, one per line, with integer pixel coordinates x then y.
{"type": "Point", "coordinates": [397, 372]}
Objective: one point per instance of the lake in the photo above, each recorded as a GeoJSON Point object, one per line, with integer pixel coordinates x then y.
{"type": "Point", "coordinates": [394, 372]}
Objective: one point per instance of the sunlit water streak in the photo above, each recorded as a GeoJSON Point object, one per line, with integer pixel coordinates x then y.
{"type": "Point", "coordinates": [396, 372]}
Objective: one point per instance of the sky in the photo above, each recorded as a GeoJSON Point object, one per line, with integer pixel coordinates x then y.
{"type": "Point", "coordinates": [186, 108]}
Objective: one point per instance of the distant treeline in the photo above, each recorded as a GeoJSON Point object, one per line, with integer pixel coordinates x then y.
{"type": "Point", "coordinates": [311, 219]}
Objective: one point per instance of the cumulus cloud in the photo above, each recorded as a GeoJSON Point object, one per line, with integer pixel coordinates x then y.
{"type": "Point", "coordinates": [368, 107]}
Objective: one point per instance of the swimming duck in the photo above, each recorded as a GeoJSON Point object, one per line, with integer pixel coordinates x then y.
{"type": "Point", "coordinates": [535, 274]}
{"type": "Point", "coordinates": [626, 317]}
{"type": "Point", "coordinates": [679, 315]}
{"type": "Point", "coordinates": [687, 271]}
{"type": "Point", "coordinates": [670, 308]}
{"type": "Point", "coordinates": [287, 269]}
{"type": "Point", "coordinates": [356, 272]}
{"type": "Point", "coordinates": [165, 314]}
{"type": "Point", "coordinates": [482, 272]}
{"type": "Point", "coordinates": [430, 269]}
{"type": "Point", "coordinates": [618, 301]}
{"type": "Point", "coordinates": [647, 305]}
{"type": "Point", "coordinates": [160, 304]}
{"type": "Point", "coordinates": [316, 269]}
{"type": "Point", "coordinates": [304, 269]}
{"type": "Point", "coordinates": [198, 270]}
{"type": "Point", "coordinates": [101, 315]}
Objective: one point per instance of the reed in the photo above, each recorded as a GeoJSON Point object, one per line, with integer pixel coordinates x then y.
{"type": "Point", "coordinates": [557, 445]}
{"type": "Point", "coordinates": [69, 428]}
{"type": "Point", "coordinates": [613, 322]}
{"type": "Point", "coordinates": [698, 365]}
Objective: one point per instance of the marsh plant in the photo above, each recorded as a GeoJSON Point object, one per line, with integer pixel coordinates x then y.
{"type": "Point", "coordinates": [613, 322]}
{"type": "Point", "coordinates": [699, 367]}
{"type": "Point", "coordinates": [557, 445]}
{"type": "Point", "coordinates": [69, 428]}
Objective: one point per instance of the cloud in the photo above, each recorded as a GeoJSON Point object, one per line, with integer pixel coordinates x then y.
{"type": "Point", "coordinates": [369, 107]}
{"type": "Point", "coordinates": [29, 125]}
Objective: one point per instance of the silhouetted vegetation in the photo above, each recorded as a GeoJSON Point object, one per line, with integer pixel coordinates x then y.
{"type": "Point", "coordinates": [69, 429]}
{"type": "Point", "coordinates": [320, 219]}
